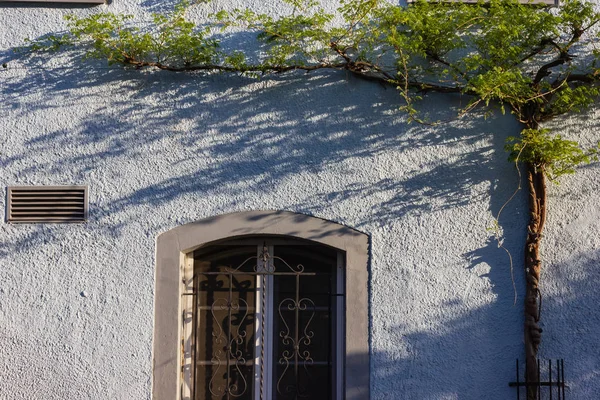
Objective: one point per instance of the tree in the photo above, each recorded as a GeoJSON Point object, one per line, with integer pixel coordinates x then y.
{"type": "Point", "coordinates": [520, 57]}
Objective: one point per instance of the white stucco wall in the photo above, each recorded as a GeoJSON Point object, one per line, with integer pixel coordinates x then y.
{"type": "Point", "coordinates": [159, 150]}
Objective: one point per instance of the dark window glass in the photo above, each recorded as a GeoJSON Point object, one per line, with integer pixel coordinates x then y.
{"type": "Point", "coordinates": [225, 313]}
{"type": "Point", "coordinates": [302, 327]}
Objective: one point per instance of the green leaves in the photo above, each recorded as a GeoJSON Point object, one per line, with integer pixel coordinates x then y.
{"type": "Point", "coordinates": [576, 16]}
{"type": "Point", "coordinates": [171, 39]}
{"type": "Point", "coordinates": [553, 155]}
{"type": "Point", "coordinates": [572, 99]}
{"type": "Point", "coordinates": [510, 86]}
{"type": "Point", "coordinates": [109, 36]}
{"type": "Point", "coordinates": [506, 32]}
{"type": "Point", "coordinates": [498, 52]}
{"type": "Point", "coordinates": [296, 39]}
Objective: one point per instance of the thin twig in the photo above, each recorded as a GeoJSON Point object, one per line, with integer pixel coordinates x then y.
{"type": "Point", "coordinates": [497, 226]}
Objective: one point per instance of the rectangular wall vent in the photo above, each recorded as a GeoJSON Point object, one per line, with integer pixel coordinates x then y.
{"type": "Point", "coordinates": [42, 2]}
{"type": "Point", "coordinates": [47, 204]}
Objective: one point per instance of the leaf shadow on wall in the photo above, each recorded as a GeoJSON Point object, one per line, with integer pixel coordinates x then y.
{"type": "Point", "coordinates": [160, 150]}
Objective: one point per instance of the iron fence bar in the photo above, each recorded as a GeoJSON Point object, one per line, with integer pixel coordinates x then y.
{"type": "Point", "coordinates": [550, 376]}
{"type": "Point", "coordinates": [538, 384]}
{"type": "Point", "coordinates": [518, 383]}
{"type": "Point", "coordinates": [526, 380]}
{"type": "Point", "coordinates": [562, 362]}
{"type": "Point", "coordinates": [558, 379]}
{"type": "Point", "coordinates": [539, 387]}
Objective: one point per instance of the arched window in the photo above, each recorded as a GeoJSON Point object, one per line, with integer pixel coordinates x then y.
{"type": "Point", "coordinates": [261, 305]}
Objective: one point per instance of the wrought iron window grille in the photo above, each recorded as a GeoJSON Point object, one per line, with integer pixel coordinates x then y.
{"type": "Point", "coordinates": [555, 384]}
{"type": "Point", "coordinates": [268, 328]}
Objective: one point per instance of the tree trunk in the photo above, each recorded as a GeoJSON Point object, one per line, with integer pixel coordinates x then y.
{"type": "Point", "coordinates": [536, 181]}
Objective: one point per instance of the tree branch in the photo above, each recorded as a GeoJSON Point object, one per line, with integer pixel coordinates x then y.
{"type": "Point", "coordinates": [583, 78]}
{"type": "Point", "coordinates": [563, 57]}
{"type": "Point", "coordinates": [544, 70]}
{"type": "Point", "coordinates": [425, 87]}
{"type": "Point", "coordinates": [542, 46]}
{"type": "Point", "coordinates": [437, 58]}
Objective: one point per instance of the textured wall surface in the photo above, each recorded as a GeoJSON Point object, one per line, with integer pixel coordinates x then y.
{"type": "Point", "coordinates": [159, 150]}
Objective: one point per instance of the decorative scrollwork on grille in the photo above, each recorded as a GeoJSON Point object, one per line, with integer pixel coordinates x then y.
{"type": "Point", "coordinates": [294, 353]}
{"type": "Point", "coordinates": [263, 264]}
{"type": "Point", "coordinates": [228, 351]}
{"type": "Point", "coordinates": [234, 307]}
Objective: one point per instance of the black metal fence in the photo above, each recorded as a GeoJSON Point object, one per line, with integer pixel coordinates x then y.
{"type": "Point", "coordinates": [553, 388]}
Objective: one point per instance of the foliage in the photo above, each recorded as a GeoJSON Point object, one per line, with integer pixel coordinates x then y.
{"type": "Point", "coordinates": [520, 56]}
{"type": "Point", "coordinates": [553, 155]}
{"type": "Point", "coordinates": [534, 61]}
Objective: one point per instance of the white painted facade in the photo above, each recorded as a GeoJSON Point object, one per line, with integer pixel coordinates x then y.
{"type": "Point", "coordinates": [159, 150]}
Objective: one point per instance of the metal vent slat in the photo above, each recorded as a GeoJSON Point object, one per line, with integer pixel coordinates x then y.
{"type": "Point", "coordinates": [53, 219]}
{"type": "Point", "coordinates": [36, 206]}
{"type": "Point", "coordinates": [31, 204]}
{"type": "Point", "coordinates": [47, 205]}
{"type": "Point", "coordinates": [41, 198]}
{"type": "Point", "coordinates": [31, 213]}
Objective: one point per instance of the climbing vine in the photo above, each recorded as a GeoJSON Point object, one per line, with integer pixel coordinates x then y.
{"type": "Point", "coordinates": [530, 60]}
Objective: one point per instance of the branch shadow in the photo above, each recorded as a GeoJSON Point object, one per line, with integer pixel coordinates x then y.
{"type": "Point", "coordinates": [253, 142]}
{"type": "Point", "coordinates": [160, 150]}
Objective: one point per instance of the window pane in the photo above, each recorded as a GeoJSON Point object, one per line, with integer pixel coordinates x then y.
{"type": "Point", "coordinates": [225, 322]}
{"type": "Point", "coordinates": [301, 328]}
{"type": "Point", "coordinates": [303, 348]}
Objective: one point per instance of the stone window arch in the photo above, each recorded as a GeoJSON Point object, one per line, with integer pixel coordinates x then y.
{"type": "Point", "coordinates": [173, 252]}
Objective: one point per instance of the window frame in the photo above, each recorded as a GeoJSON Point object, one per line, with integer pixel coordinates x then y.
{"type": "Point", "coordinates": [272, 243]}
{"type": "Point", "coordinates": [171, 254]}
